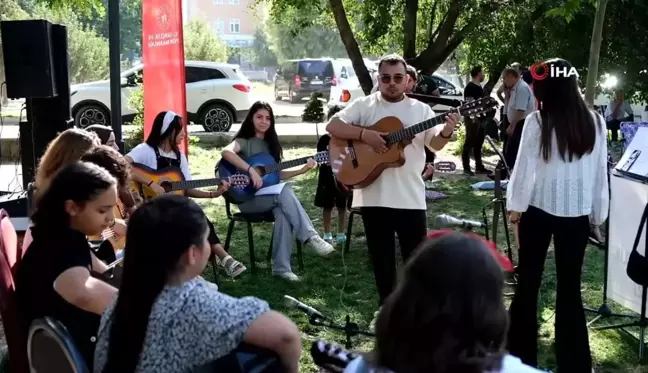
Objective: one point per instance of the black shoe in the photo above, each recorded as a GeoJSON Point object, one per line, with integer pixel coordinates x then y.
{"type": "Point", "coordinates": [482, 170]}
{"type": "Point", "coordinates": [467, 172]}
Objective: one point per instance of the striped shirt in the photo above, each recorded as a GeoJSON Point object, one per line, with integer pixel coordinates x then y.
{"type": "Point", "coordinates": [560, 188]}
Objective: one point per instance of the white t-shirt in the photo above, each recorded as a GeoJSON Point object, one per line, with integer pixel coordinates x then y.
{"type": "Point", "coordinates": [510, 364]}
{"type": "Point", "coordinates": [145, 155]}
{"type": "Point", "coordinates": [400, 187]}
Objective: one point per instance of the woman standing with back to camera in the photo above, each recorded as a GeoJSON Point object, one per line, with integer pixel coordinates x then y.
{"type": "Point", "coordinates": [559, 189]}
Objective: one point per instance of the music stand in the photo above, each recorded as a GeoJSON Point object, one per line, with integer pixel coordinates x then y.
{"type": "Point", "coordinates": [604, 310]}
{"type": "Point", "coordinates": [639, 264]}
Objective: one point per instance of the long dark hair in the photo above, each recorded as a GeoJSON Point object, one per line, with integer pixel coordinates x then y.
{"type": "Point", "coordinates": [159, 233]}
{"type": "Point", "coordinates": [247, 129]}
{"type": "Point", "coordinates": [155, 138]}
{"type": "Point", "coordinates": [563, 112]}
{"type": "Point", "coordinates": [447, 315]}
{"type": "Point", "coordinates": [79, 182]}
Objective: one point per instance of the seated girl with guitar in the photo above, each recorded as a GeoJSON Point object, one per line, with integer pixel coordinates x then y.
{"type": "Point", "coordinates": [166, 318]}
{"type": "Point", "coordinates": [258, 135]}
{"type": "Point", "coordinates": [54, 277]}
{"type": "Point", "coordinates": [159, 151]}
{"type": "Point", "coordinates": [111, 160]}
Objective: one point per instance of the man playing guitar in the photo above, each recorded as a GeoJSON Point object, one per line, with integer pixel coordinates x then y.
{"type": "Point", "coordinates": [395, 202]}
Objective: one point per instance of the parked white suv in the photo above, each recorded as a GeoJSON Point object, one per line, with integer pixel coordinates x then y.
{"type": "Point", "coordinates": [218, 94]}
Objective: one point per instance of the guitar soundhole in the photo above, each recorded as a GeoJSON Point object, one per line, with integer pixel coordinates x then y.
{"type": "Point", "coordinates": [166, 185]}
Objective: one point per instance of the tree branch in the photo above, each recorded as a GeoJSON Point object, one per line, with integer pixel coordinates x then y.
{"type": "Point", "coordinates": [351, 45]}
{"type": "Point", "coordinates": [409, 29]}
{"type": "Point", "coordinates": [432, 30]}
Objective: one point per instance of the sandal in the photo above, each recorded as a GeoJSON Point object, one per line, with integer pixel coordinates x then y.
{"type": "Point", "coordinates": [232, 266]}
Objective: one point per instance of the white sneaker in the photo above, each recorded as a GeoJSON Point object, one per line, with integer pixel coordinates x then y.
{"type": "Point", "coordinates": [320, 247]}
{"type": "Point", "coordinates": [287, 276]}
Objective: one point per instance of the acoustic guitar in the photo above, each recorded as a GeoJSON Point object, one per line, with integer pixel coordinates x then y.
{"type": "Point", "coordinates": [266, 166]}
{"type": "Point", "coordinates": [356, 164]}
{"type": "Point", "coordinates": [117, 242]}
{"type": "Point", "coordinates": [172, 180]}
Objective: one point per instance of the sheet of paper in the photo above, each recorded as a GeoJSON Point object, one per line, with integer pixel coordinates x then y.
{"type": "Point", "coordinates": [271, 190]}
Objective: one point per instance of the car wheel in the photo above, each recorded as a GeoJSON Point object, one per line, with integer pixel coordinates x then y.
{"type": "Point", "coordinates": [217, 118]}
{"type": "Point", "coordinates": [90, 114]}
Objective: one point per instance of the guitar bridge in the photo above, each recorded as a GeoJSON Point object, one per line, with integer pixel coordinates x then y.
{"type": "Point", "coordinates": [351, 152]}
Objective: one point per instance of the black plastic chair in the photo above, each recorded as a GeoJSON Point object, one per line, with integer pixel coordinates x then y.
{"type": "Point", "coordinates": [250, 219]}
{"type": "Point", "coordinates": [352, 213]}
{"type": "Point", "coordinates": [50, 349]}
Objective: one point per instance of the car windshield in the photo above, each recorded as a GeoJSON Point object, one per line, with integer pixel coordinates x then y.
{"type": "Point", "coordinates": [350, 72]}
{"type": "Point", "coordinates": [315, 68]}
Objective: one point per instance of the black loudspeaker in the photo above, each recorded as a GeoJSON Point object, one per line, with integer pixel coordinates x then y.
{"type": "Point", "coordinates": [28, 59]}
{"type": "Point", "coordinates": [47, 117]}
{"type": "Point", "coordinates": [56, 109]}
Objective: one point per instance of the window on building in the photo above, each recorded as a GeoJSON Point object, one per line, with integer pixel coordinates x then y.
{"type": "Point", "coordinates": [218, 2]}
{"type": "Point", "coordinates": [235, 26]}
{"type": "Point", "coordinates": [234, 2]}
{"type": "Point", "coordinates": [219, 26]}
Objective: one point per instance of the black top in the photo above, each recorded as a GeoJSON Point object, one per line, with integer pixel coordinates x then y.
{"type": "Point", "coordinates": [475, 91]}
{"type": "Point", "coordinates": [165, 162]}
{"type": "Point", "coordinates": [49, 255]}
{"type": "Point", "coordinates": [325, 176]}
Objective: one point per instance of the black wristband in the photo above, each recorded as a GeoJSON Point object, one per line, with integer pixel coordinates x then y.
{"type": "Point", "coordinates": [150, 183]}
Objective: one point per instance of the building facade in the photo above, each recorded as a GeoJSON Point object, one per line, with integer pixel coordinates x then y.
{"type": "Point", "coordinates": [235, 21]}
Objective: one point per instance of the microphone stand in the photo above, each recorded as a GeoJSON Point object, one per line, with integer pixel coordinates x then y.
{"type": "Point", "coordinates": [350, 329]}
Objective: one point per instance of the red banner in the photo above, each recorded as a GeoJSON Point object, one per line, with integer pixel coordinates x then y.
{"type": "Point", "coordinates": [163, 55]}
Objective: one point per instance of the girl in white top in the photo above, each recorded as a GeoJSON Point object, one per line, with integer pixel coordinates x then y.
{"type": "Point", "coordinates": [160, 151]}
{"type": "Point", "coordinates": [447, 315]}
{"type": "Point", "coordinates": [559, 189]}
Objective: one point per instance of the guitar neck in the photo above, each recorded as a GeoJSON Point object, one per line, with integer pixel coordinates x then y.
{"type": "Point", "coordinates": [269, 169]}
{"type": "Point", "coordinates": [411, 131]}
{"type": "Point", "coordinates": [194, 184]}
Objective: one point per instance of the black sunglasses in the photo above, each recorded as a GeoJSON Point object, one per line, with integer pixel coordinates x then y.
{"type": "Point", "coordinates": [386, 79]}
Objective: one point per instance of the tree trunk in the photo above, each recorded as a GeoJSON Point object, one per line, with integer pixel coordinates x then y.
{"type": "Point", "coordinates": [494, 73]}
{"type": "Point", "coordinates": [595, 49]}
{"type": "Point", "coordinates": [409, 29]}
{"type": "Point", "coordinates": [351, 45]}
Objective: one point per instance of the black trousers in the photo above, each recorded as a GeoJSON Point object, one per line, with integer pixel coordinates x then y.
{"type": "Point", "coordinates": [475, 136]}
{"type": "Point", "coordinates": [570, 237]}
{"type": "Point", "coordinates": [212, 238]}
{"type": "Point", "coordinates": [380, 224]}
{"type": "Point", "coordinates": [512, 144]}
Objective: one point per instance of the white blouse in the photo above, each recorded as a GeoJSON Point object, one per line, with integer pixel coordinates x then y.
{"type": "Point", "coordinates": [560, 188]}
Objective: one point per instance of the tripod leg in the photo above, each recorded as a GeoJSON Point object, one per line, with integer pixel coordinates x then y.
{"type": "Point", "coordinates": [507, 233]}
{"type": "Point", "coordinates": [618, 326]}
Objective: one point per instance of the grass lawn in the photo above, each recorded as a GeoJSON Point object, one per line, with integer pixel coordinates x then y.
{"type": "Point", "coordinates": [341, 285]}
